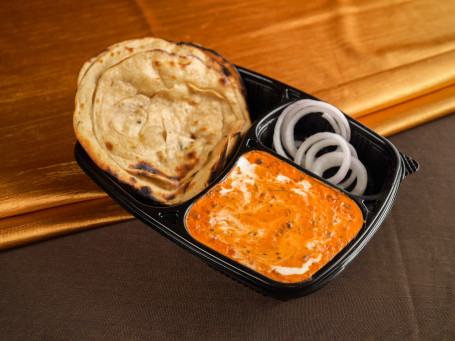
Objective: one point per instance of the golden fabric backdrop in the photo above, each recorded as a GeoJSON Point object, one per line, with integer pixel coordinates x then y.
{"type": "Point", "coordinates": [390, 64]}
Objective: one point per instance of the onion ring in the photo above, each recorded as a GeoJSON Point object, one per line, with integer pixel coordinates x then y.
{"type": "Point", "coordinates": [303, 107]}
{"type": "Point", "coordinates": [312, 140]}
{"type": "Point", "coordinates": [333, 123]}
{"type": "Point", "coordinates": [277, 137]}
{"type": "Point", "coordinates": [315, 143]}
{"type": "Point", "coordinates": [304, 152]}
{"type": "Point", "coordinates": [290, 119]}
{"type": "Point", "coordinates": [303, 148]}
{"type": "Point", "coordinates": [334, 159]}
{"type": "Point", "coordinates": [329, 140]}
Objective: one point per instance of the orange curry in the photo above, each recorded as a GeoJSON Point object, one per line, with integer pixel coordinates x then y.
{"type": "Point", "coordinates": [269, 216]}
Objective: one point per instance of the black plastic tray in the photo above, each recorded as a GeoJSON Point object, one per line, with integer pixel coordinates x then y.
{"type": "Point", "coordinates": [266, 99]}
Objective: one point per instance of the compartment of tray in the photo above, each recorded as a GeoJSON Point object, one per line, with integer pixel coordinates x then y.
{"type": "Point", "coordinates": [377, 155]}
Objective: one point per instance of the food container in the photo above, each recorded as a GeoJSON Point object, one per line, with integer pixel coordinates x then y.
{"type": "Point", "coordinates": [266, 99]}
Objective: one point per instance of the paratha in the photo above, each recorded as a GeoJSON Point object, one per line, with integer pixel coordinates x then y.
{"type": "Point", "coordinates": [159, 116]}
{"type": "Point", "coordinates": [119, 51]}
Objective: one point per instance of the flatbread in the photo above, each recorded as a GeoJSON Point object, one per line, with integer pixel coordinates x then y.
{"type": "Point", "coordinates": [159, 121]}
{"type": "Point", "coordinates": [211, 58]}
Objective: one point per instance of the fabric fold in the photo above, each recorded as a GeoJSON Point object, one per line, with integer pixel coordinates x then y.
{"type": "Point", "coordinates": [387, 89]}
{"type": "Point", "coordinates": [41, 188]}
{"type": "Point", "coordinates": [44, 224]}
{"type": "Point", "coordinates": [410, 114]}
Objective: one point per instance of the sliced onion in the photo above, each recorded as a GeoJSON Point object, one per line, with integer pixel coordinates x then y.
{"type": "Point", "coordinates": [333, 123]}
{"type": "Point", "coordinates": [277, 137]}
{"type": "Point", "coordinates": [326, 138]}
{"type": "Point", "coordinates": [348, 182]}
{"type": "Point", "coordinates": [335, 159]}
{"type": "Point", "coordinates": [285, 125]}
{"type": "Point", "coordinates": [303, 148]}
{"type": "Point", "coordinates": [287, 130]}
{"type": "Point", "coordinates": [322, 140]}
{"type": "Point", "coordinates": [332, 114]}
{"type": "Point", "coordinates": [353, 151]}
{"type": "Point", "coordinates": [331, 139]}
{"type": "Point", "coordinates": [359, 170]}
{"type": "Point", "coordinates": [305, 152]}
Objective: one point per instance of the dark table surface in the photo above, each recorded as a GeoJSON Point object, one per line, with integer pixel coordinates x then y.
{"type": "Point", "coordinates": [125, 281]}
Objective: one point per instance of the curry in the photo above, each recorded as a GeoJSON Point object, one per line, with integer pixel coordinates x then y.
{"type": "Point", "coordinates": [274, 219]}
